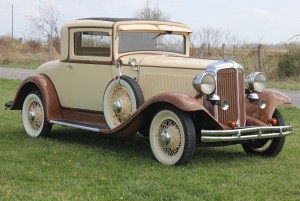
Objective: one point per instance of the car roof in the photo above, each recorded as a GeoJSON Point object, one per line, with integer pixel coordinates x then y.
{"type": "Point", "coordinates": [110, 19]}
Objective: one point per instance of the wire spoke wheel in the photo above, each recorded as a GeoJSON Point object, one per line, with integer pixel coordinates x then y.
{"type": "Point", "coordinates": [121, 98]}
{"type": "Point", "coordinates": [170, 127]}
{"type": "Point", "coordinates": [127, 106]}
{"type": "Point", "coordinates": [172, 136]}
{"type": "Point", "coordinates": [33, 116]}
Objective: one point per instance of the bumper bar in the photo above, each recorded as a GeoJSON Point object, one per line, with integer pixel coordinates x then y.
{"type": "Point", "coordinates": [249, 133]}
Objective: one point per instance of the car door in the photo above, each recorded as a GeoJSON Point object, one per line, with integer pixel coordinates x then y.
{"type": "Point", "coordinates": [88, 70]}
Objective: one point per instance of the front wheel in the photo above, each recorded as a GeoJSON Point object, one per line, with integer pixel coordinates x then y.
{"type": "Point", "coordinates": [172, 136]}
{"type": "Point", "coordinates": [33, 116]}
{"type": "Point", "coordinates": [267, 147]}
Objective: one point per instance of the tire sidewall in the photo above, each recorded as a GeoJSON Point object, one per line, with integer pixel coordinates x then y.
{"type": "Point", "coordinates": [276, 144]}
{"type": "Point", "coordinates": [31, 97]}
{"type": "Point", "coordinates": [187, 132]}
{"type": "Point", "coordinates": [154, 141]}
{"type": "Point", "coordinates": [108, 97]}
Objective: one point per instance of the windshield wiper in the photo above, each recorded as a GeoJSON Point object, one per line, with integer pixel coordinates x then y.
{"type": "Point", "coordinates": [167, 32]}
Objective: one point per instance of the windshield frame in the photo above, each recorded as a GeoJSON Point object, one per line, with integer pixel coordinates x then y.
{"type": "Point", "coordinates": [153, 35]}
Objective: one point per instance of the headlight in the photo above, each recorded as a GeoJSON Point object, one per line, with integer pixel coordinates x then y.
{"type": "Point", "coordinates": [204, 83]}
{"type": "Point", "coordinates": [256, 81]}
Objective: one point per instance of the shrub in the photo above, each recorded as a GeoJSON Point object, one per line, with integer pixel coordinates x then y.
{"type": "Point", "coordinates": [289, 63]}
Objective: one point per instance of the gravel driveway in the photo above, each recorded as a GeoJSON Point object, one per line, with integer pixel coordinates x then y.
{"type": "Point", "coordinates": [14, 73]}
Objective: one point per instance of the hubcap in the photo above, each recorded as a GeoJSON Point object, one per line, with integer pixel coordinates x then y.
{"type": "Point", "coordinates": [165, 137]}
{"type": "Point", "coordinates": [31, 115]}
{"type": "Point", "coordinates": [117, 106]}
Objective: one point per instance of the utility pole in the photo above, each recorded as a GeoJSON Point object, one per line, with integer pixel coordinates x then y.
{"type": "Point", "coordinates": [12, 21]}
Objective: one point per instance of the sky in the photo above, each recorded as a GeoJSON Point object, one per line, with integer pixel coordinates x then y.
{"type": "Point", "coordinates": [266, 21]}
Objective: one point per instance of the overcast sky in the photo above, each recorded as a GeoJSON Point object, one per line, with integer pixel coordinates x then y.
{"type": "Point", "coordinates": [269, 21]}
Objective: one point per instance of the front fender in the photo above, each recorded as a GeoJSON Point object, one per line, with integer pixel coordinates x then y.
{"type": "Point", "coordinates": [47, 89]}
{"type": "Point", "coordinates": [146, 112]}
{"type": "Point", "coordinates": [273, 99]}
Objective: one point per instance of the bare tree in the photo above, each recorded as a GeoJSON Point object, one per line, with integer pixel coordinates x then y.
{"type": "Point", "coordinates": [45, 23]}
{"type": "Point", "coordinates": [151, 13]}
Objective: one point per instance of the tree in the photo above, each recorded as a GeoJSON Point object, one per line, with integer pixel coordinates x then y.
{"type": "Point", "coordinates": [45, 23]}
{"type": "Point", "coordinates": [151, 13]}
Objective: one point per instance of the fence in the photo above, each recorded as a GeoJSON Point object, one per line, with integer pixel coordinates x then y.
{"type": "Point", "coordinates": [253, 57]}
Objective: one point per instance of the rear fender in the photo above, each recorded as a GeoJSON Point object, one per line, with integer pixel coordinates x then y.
{"type": "Point", "coordinates": [47, 89]}
{"type": "Point", "coordinates": [273, 99]}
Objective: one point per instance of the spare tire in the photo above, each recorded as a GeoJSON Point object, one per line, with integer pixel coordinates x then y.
{"type": "Point", "coordinates": [121, 98]}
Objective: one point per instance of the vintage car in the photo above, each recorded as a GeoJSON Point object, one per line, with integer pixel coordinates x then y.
{"type": "Point", "coordinates": [123, 76]}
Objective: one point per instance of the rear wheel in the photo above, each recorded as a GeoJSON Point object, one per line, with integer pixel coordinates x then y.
{"type": "Point", "coordinates": [33, 116]}
{"type": "Point", "coordinates": [267, 147]}
{"type": "Point", "coordinates": [172, 136]}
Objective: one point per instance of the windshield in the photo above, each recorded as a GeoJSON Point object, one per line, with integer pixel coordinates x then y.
{"type": "Point", "coordinates": [151, 41]}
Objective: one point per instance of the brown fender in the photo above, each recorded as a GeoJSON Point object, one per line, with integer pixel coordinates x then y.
{"type": "Point", "coordinates": [273, 99]}
{"type": "Point", "coordinates": [182, 101]}
{"type": "Point", "coordinates": [47, 89]}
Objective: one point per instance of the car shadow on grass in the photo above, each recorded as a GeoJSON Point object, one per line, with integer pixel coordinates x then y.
{"type": "Point", "coordinates": [139, 146]}
{"type": "Point", "coordinates": [135, 145]}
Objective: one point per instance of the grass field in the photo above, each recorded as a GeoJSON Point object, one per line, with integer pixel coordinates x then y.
{"type": "Point", "coordinates": [77, 165]}
{"type": "Point", "coordinates": [286, 84]}
{"type": "Point", "coordinates": [31, 65]}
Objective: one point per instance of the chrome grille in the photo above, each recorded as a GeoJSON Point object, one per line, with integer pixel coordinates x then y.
{"type": "Point", "coordinates": [230, 86]}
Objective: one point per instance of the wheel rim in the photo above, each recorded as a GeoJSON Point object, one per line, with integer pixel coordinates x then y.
{"type": "Point", "coordinates": [33, 115]}
{"type": "Point", "coordinates": [260, 146]}
{"type": "Point", "coordinates": [121, 105]}
{"type": "Point", "coordinates": [167, 137]}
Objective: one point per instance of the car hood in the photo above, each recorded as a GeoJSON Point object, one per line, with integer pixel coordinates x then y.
{"type": "Point", "coordinates": [168, 61]}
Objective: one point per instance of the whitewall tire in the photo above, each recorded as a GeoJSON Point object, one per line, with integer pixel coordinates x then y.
{"type": "Point", "coordinates": [33, 116]}
{"type": "Point", "coordinates": [267, 147]}
{"type": "Point", "coordinates": [121, 98]}
{"type": "Point", "coordinates": [172, 136]}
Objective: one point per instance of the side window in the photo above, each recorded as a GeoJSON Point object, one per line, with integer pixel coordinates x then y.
{"type": "Point", "coordinates": [92, 43]}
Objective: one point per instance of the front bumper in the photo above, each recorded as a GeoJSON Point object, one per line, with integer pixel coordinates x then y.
{"type": "Point", "coordinates": [248, 133]}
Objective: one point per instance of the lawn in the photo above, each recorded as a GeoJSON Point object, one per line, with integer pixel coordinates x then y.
{"type": "Point", "coordinates": [30, 65]}
{"type": "Point", "coordinates": [78, 165]}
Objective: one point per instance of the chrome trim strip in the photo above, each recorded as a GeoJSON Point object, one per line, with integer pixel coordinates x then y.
{"type": "Point", "coordinates": [223, 64]}
{"type": "Point", "coordinates": [251, 133]}
{"type": "Point", "coordinates": [75, 126]}
{"type": "Point", "coordinates": [238, 98]}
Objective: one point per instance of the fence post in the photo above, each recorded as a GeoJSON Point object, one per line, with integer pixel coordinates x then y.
{"type": "Point", "coordinates": [209, 49]}
{"type": "Point", "coordinates": [202, 49]}
{"type": "Point", "coordinates": [223, 51]}
{"type": "Point", "coordinates": [260, 57]}
{"type": "Point", "coordinates": [234, 50]}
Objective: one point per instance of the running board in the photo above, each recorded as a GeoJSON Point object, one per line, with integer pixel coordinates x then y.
{"type": "Point", "coordinates": [78, 125]}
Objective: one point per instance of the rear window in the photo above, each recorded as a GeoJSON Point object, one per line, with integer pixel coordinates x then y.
{"type": "Point", "coordinates": [92, 44]}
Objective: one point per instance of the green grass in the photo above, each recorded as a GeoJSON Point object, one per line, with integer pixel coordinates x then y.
{"type": "Point", "coordinates": [286, 84]}
{"type": "Point", "coordinates": [32, 65]}
{"type": "Point", "coordinates": [78, 165]}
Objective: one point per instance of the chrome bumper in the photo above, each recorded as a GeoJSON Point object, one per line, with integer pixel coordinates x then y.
{"type": "Point", "coordinates": [249, 133]}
